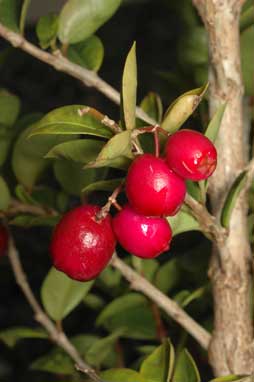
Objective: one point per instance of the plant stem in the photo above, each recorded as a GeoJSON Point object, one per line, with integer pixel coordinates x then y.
{"type": "Point", "coordinates": [23, 15]}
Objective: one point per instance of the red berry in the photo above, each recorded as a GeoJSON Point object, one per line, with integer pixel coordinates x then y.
{"type": "Point", "coordinates": [152, 188]}
{"type": "Point", "coordinates": [3, 240]}
{"type": "Point", "coordinates": [81, 246]}
{"type": "Point", "coordinates": [191, 155]}
{"type": "Point", "coordinates": [142, 236]}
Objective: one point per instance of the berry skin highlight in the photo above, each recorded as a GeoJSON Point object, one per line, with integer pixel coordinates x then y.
{"type": "Point", "coordinates": [191, 155]}
{"type": "Point", "coordinates": [152, 188]}
{"type": "Point", "coordinates": [82, 246]}
{"type": "Point", "coordinates": [142, 236]}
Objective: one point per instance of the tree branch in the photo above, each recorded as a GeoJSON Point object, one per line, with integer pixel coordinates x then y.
{"type": "Point", "coordinates": [60, 63]}
{"type": "Point", "coordinates": [58, 337]}
{"type": "Point", "coordinates": [206, 220]}
{"type": "Point", "coordinates": [139, 283]}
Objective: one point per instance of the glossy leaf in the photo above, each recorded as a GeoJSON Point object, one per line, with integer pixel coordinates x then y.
{"type": "Point", "coordinates": [73, 178]}
{"type": "Point", "coordinates": [152, 105]}
{"type": "Point", "coordinates": [181, 109]}
{"type": "Point", "coordinates": [60, 294]}
{"type": "Point", "coordinates": [193, 189]}
{"type": "Point", "coordinates": [46, 30]}
{"type": "Point", "coordinates": [13, 335]}
{"type": "Point", "coordinates": [9, 106]}
{"type": "Point", "coordinates": [131, 312]}
{"type": "Point", "coordinates": [116, 148]}
{"type": "Point", "coordinates": [247, 18]}
{"type": "Point", "coordinates": [79, 150]}
{"type": "Point", "coordinates": [185, 369]}
{"type": "Point", "coordinates": [28, 161]}
{"type": "Point", "coordinates": [129, 89]}
{"type": "Point", "coordinates": [247, 58]}
{"type": "Point", "coordinates": [102, 185]}
{"type": "Point", "coordinates": [121, 375]}
{"type": "Point", "coordinates": [183, 222]}
{"type": "Point", "coordinates": [79, 19]}
{"type": "Point", "coordinates": [68, 120]}
{"type": "Point", "coordinates": [5, 196]}
{"type": "Point", "coordinates": [88, 53]}
{"type": "Point", "coordinates": [102, 348]}
{"type": "Point", "coordinates": [9, 14]}
{"type": "Point", "coordinates": [168, 276]}
{"type": "Point", "coordinates": [157, 367]}
{"type": "Point", "coordinates": [231, 199]}
{"type": "Point", "coordinates": [28, 221]}
{"type": "Point", "coordinates": [230, 378]}
{"type": "Point", "coordinates": [214, 125]}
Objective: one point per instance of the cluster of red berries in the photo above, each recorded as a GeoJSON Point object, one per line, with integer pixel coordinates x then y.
{"type": "Point", "coordinates": [83, 241]}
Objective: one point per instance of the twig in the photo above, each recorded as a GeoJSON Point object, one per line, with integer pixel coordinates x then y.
{"type": "Point", "coordinates": [58, 337]}
{"type": "Point", "coordinates": [139, 283]}
{"type": "Point", "coordinates": [88, 77]}
{"type": "Point", "coordinates": [206, 220]}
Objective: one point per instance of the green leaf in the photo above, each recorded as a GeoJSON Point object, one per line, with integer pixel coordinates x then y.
{"type": "Point", "coordinates": [6, 136]}
{"type": "Point", "coordinates": [185, 297]}
{"type": "Point", "coordinates": [11, 336]}
{"type": "Point", "coordinates": [121, 375]}
{"type": "Point", "coordinates": [129, 89]}
{"type": "Point", "coordinates": [168, 276]}
{"type": "Point", "coordinates": [28, 161]}
{"type": "Point", "coordinates": [93, 301]}
{"type": "Point", "coordinates": [68, 120]}
{"type": "Point", "coordinates": [79, 19]}
{"type": "Point", "coordinates": [46, 30]}
{"type": "Point", "coordinates": [183, 222]}
{"type": "Point", "coordinates": [58, 362]}
{"type": "Point", "coordinates": [247, 59]}
{"type": "Point", "coordinates": [131, 312]}
{"type": "Point", "coordinates": [88, 53]}
{"type": "Point", "coordinates": [193, 189]}
{"type": "Point", "coordinates": [60, 294]}
{"type": "Point", "coordinates": [28, 221]}
{"type": "Point", "coordinates": [9, 14]}
{"type": "Point", "coordinates": [147, 267]}
{"type": "Point", "coordinates": [158, 365]}
{"type": "Point", "coordinates": [185, 369]}
{"type": "Point", "coordinates": [193, 48]}
{"type": "Point", "coordinates": [110, 278]}
{"type": "Point", "coordinates": [5, 196]}
{"type": "Point", "coordinates": [79, 150]}
{"type": "Point", "coordinates": [231, 199]}
{"type": "Point", "coordinates": [9, 106]}
{"type": "Point", "coordinates": [152, 105]}
{"type": "Point", "coordinates": [180, 110]}
{"type": "Point", "coordinates": [247, 18]}
{"type": "Point", "coordinates": [102, 348]}
{"type": "Point", "coordinates": [102, 185]}
{"type": "Point", "coordinates": [214, 125]}
{"type": "Point", "coordinates": [73, 178]}
{"type": "Point", "coordinates": [229, 378]}
{"type": "Point", "coordinates": [23, 195]}
{"type": "Point", "coordinates": [116, 148]}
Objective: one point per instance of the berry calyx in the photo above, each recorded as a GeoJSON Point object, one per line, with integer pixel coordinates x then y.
{"type": "Point", "coordinates": [140, 235]}
{"type": "Point", "coordinates": [3, 240]}
{"type": "Point", "coordinates": [152, 188]}
{"type": "Point", "coordinates": [191, 155]}
{"type": "Point", "coordinates": [82, 245]}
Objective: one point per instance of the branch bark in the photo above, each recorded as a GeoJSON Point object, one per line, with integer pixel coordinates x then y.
{"type": "Point", "coordinates": [139, 283]}
{"type": "Point", "coordinates": [231, 349]}
{"type": "Point", "coordinates": [60, 63]}
{"type": "Point", "coordinates": [58, 337]}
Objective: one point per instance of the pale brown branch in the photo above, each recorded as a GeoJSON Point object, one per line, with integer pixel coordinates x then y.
{"type": "Point", "coordinates": [206, 220]}
{"type": "Point", "coordinates": [139, 283]}
{"type": "Point", "coordinates": [62, 64]}
{"type": "Point", "coordinates": [58, 337]}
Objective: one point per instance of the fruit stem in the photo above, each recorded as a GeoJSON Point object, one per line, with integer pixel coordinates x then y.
{"type": "Point", "coordinates": [111, 201]}
{"type": "Point", "coordinates": [156, 142]}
